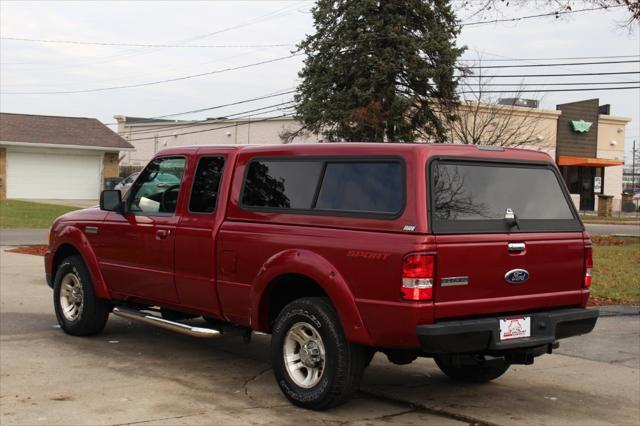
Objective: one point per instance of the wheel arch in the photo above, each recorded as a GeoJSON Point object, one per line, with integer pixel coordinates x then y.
{"type": "Point", "coordinates": [63, 251]}
{"type": "Point", "coordinates": [292, 274]}
{"type": "Point", "coordinates": [73, 242]}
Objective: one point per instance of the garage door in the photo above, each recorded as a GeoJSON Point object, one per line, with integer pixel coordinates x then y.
{"type": "Point", "coordinates": [48, 175]}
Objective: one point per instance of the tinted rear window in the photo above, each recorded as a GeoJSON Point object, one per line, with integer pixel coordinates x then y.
{"type": "Point", "coordinates": [475, 197]}
{"type": "Point", "coordinates": [325, 186]}
{"type": "Point", "coordinates": [367, 187]}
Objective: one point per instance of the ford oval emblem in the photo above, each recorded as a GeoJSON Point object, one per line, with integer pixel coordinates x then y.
{"type": "Point", "coordinates": [516, 276]}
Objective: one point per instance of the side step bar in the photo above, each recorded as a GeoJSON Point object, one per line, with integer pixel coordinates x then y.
{"type": "Point", "coordinates": [207, 333]}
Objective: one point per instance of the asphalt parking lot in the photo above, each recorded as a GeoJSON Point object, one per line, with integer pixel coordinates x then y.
{"type": "Point", "coordinates": [134, 374]}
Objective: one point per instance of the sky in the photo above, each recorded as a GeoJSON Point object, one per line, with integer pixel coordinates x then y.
{"type": "Point", "coordinates": [244, 33]}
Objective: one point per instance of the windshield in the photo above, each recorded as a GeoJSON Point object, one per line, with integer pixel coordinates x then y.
{"type": "Point", "coordinates": [468, 196]}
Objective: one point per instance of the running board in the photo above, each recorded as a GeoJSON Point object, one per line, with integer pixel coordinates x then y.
{"type": "Point", "coordinates": [207, 333]}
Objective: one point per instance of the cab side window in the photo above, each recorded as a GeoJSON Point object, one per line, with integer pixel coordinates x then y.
{"type": "Point", "coordinates": [157, 189]}
{"type": "Point", "coordinates": [206, 183]}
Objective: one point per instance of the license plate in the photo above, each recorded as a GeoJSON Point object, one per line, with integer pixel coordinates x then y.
{"type": "Point", "coordinates": [515, 328]}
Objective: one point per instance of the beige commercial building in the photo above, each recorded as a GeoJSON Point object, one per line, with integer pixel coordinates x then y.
{"type": "Point", "coordinates": [149, 136]}
{"type": "Point", "coordinates": [586, 142]}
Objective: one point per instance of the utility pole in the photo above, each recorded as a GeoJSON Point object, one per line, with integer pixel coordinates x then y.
{"type": "Point", "coordinates": [633, 168]}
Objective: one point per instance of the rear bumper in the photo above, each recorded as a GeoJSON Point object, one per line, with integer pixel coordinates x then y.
{"type": "Point", "coordinates": [482, 335]}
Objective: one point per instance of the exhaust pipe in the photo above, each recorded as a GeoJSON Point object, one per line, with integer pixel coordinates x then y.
{"type": "Point", "coordinates": [207, 333]}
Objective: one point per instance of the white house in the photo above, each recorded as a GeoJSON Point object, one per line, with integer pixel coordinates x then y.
{"type": "Point", "coordinates": [46, 157]}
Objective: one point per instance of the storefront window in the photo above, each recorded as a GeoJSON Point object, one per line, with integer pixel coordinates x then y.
{"type": "Point", "coordinates": [571, 177]}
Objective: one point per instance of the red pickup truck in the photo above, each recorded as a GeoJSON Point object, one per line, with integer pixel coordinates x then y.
{"type": "Point", "coordinates": [472, 255]}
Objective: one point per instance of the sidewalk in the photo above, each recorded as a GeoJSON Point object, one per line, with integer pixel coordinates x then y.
{"type": "Point", "coordinates": [618, 229]}
{"type": "Point", "coordinates": [23, 237]}
{"type": "Point", "coordinates": [81, 204]}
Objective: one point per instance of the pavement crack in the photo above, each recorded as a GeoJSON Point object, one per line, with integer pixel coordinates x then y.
{"type": "Point", "coordinates": [413, 407]}
{"type": "Point", "coordinates": [157, 419]}
{"type": "Point", "coordinates": [245, 386]}
{"type": "Point", "coordinates": [390, 416]}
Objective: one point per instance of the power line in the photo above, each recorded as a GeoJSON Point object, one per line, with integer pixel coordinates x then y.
{"type": "Point", "coordinates": [129, 86]}
{"type": "Point", "coordinates": [505, 59]}
{"type": "Point", "coordinates": [135, 52]}
{"type": "Point", "coordinates": [216, 128]}
{"type": "Point", "coordinates": [277, 59]}
{"type": "Point", "coordinates": [200, 123]}
{"type": "Point", "coordinates": [541, 15]}
{"type": "Point", "coordinates": [288, 57]}
{"type": "Point", "coordinates": [559, 84]}
{"type": "Point", "coordinates": [582, 89]}
{"type": "Point", "coordinates": [96, 43]}
{"type": "Point", "coordinates": [151, 120]}
{"type": "Point", "coordinates": [558, 67]}
{"type": "Point", "coordinates": [286, 92]}
{"type": "Point", "coordinates": [194, 111]}
{"type": "Point", "coordinates": [467, 67]}
{"type": "Point", "coordinates": [256, 20]}
{"type": "Point", "coordinates": [190, 124]}
{"type": "Point", "coordinates": [284, 107]}
{"type": "Point", "coordinates": [152, 45]}
{"type": "Point", "coordinates": [553, 65]}
{"type": "Point", "coordinates": [270, 16]}
{"type": "Point", "coordinates": [552, 75]}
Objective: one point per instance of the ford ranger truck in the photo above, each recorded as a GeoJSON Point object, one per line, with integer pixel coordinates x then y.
{"type": "Point", "coordinates": [474, 256]}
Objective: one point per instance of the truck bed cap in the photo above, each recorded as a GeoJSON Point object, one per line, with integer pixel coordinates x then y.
{"type": "Point", "coordinates": [368, 148]}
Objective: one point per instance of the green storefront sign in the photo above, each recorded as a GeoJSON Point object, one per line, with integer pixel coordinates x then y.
{"type": "Point", "coordinates": [580, 126]}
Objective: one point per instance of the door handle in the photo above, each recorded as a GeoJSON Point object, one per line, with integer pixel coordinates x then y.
{"type": "Point", "coordinates": [515, 247]}
{"type": "Point", "coordinates": [162, 234]}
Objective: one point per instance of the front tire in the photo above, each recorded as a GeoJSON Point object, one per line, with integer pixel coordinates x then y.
{"type": "Point", "coordinates": [472, 369]}
{"type": "Point", "coordinates": [78, 310]}
{"type": "Point", "coordinates": [314, 364]}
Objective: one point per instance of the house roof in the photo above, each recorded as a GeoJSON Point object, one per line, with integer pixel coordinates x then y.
{"type": "Point", "coordinates": [53, 130]}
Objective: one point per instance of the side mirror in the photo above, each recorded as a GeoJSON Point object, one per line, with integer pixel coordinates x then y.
{"type": "Point", "coordinates": [111, 200]}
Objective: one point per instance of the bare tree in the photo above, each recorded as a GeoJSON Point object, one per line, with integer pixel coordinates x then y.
{"type": "Point", "coordinates": [480, 120]}
{"type": "Point", "coordinates": [451, 199]}
{"type": "Point", "coordinates": [492, 8]}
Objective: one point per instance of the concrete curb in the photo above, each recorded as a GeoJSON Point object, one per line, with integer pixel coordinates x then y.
{"type": "Point", "coordinates": [610, 222]}
{"type": "Point", "coordinates": [23, 237]}
{"type": "Point", "coordinates": [618, 310]}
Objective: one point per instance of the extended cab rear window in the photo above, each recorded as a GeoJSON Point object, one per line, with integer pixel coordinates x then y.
{"type": "Point", "coordinates": [475, 197]}
{"type": "Point", "coordinates": [325, 186]}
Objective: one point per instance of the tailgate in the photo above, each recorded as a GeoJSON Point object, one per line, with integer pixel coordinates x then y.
{"type": "Point", "coordinates": [508, 238]}
{"type": "Point", "coordinates": [547, 270]}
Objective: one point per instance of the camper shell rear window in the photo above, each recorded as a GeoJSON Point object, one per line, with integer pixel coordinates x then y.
{"type": "Point", "coordinates": [476, 197]}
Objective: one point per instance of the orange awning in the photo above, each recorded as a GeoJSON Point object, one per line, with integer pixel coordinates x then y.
{"type": "Point", "coordinates": [565, 160]}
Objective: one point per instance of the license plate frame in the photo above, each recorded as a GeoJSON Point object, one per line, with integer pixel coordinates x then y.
{"type": "Point", "coordinates": [515, 328]}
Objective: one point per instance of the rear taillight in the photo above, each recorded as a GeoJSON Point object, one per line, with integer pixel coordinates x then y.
{"type": "Point", "coordinates": [588, 264]}
{"type": "Point", "coordinates": [417, 277]}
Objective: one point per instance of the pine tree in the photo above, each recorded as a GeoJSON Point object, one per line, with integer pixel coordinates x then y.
{"type": "Point", "coordinates": [379, 70]}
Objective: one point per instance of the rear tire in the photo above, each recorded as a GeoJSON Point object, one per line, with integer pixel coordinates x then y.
{"type": "Point", "coordinates": [478, 370]}
{"type": "Point", "coordinates": [78, 311]}
{"type": "Point", "coordinates": [314, 364]}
